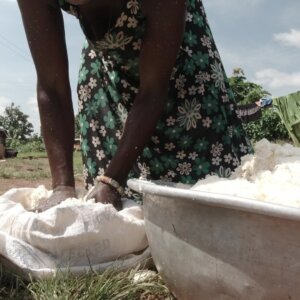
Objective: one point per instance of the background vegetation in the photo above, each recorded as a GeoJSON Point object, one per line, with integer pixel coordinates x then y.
{"type": "Point", "coordinates": [269, 125]}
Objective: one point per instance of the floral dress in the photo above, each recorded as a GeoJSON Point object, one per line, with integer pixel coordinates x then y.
{"type": "Point", "coordinates": [199, 132]}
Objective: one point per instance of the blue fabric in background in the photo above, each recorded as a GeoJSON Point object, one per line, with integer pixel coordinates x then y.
{"type": "Point", "coordinates": [265, 101]}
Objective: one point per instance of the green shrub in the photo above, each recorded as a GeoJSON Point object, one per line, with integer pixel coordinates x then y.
{"type": "Point", "coordinates": [269, 126]}
{"type": "Point", "coordinates": [32, 145]}
{"type": "Point", "coordinates": [13, 143]}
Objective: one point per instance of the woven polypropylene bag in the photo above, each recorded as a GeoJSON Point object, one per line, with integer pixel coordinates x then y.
{"type": "Point", "coordinates": [73, 236]}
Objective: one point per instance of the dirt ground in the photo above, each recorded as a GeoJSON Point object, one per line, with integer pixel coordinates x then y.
{"type": "Point", "coordinates": [7, 184]}
{"type": "Point", "coordinates": [23, 172]}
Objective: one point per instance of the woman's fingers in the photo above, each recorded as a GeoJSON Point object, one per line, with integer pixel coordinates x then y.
{"type": "Point", "coordinates": [103, 193]}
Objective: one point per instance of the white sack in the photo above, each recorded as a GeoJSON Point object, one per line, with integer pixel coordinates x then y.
{"type": "Point", "coordinates": [74, 235]}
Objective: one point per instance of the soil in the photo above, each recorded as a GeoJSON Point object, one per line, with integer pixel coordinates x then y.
{"type": "Point", "coordinates": [7, 184]}
{"type": "Point", "coordinates": [27, 166]}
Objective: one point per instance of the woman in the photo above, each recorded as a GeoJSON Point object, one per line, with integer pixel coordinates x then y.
{"type": "Point", "coordinates": [153, 96]}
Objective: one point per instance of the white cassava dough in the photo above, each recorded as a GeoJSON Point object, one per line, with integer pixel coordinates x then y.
{"type": "Point", "coordinates": [272, 174]}
{"type": "Point", "coordinates": [32, 199]}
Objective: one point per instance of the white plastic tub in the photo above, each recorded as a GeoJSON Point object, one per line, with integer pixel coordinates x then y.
{"type": "Point", "coordinates": [211, 246]}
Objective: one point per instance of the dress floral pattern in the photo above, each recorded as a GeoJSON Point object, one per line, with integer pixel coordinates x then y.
{"type": "Point", "coordinates": [198, 134]}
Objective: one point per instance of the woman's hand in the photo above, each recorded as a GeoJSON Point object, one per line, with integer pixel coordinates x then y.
{"type": "Point", "coordinates": [59, 194]}
{"type": "Point", "coordinates": [106, 194]}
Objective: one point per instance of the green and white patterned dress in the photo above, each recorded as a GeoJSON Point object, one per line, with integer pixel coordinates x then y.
{"type": "Point", "coordinates": [198, 134]}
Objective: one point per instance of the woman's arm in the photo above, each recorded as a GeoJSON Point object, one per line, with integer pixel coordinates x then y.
{"type": "Point", "coordinates": [161, 43]}
{"type": "Point", "coordinates": [164, 33]}
{"type": "Point", "coordinates": [44, 28]}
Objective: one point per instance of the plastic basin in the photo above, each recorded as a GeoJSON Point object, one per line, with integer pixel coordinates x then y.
{"type": "Point", "coordinates": [213, 246]}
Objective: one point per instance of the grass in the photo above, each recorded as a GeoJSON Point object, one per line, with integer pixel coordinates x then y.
{"type": "Point", "coordinates": [77, 164]}
{"type": "Point", "coordinates": [32, 155]}
{"type": "Point", "coordinates": [34, 166]}
{"type": "Point", "coordinates": [110, 285]}
{"type": "Point", "coordinates": [18, 168]}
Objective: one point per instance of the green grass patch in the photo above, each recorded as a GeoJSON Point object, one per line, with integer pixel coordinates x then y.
{"type": "Point", "coordinates": [32, 155]}
{"type": "Point", "coordinates": [77, 164]}
{"type": "Point", "coordinates": [34, 166]}
{"type": "Point", "coordinates": [30, 169]}
{"type": "Point", "coordinates": [110, 285]}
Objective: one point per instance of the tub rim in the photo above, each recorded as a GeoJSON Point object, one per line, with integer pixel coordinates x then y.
{"type": "Point", "coordinates": [166, 189]}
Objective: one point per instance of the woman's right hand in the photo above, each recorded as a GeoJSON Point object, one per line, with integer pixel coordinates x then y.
{"type": "Point", "coordinates": [104, 193]}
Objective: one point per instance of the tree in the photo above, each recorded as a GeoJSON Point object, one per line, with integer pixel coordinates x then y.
{"type": "Point", "coordinates": [245, 92]}
{"type": "Point", "coordinates": [269, 125]}
{"type": "Point", "coordinates": [16, 124]}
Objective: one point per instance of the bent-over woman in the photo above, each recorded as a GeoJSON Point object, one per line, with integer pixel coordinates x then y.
{"type": "Point", "coordinates": [153, 97]}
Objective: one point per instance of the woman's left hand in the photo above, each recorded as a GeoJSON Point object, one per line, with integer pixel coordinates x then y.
{"type": "Point", "coordinates": [106, 194]}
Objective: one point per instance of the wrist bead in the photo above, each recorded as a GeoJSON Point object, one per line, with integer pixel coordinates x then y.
{"type": "Point", "coordinates": [111, 182]}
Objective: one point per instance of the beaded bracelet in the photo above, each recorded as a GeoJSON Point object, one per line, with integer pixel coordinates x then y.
{"type": "Point", "coordinates": [113, 183]}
